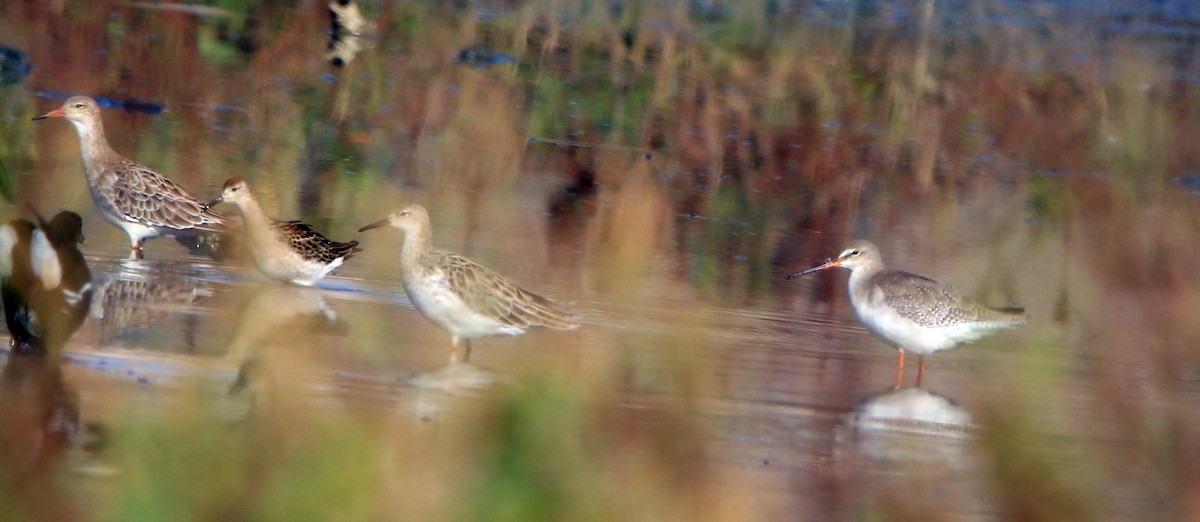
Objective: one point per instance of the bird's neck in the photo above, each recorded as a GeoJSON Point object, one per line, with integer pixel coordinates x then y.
{"type": "Point", "coordinates": [417, 244]}
{"type": "Point", "coordinates": [92, 142]}
{"type": "Point", "coordinates": [256, 221]}
{"type": "Point", "coordinates": [860, 280]}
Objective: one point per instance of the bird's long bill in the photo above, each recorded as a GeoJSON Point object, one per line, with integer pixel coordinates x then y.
{"type": "Point", "coordinates": [376, 224]}
{"type": "Point", "coordinates": [832, 263]}
{"type": "Point", "coordinates": [56, 113]}
{"type": "Point", "coordinates": [214, 202]}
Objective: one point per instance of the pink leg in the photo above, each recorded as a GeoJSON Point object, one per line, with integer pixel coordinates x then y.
{"type": "Point", "coordinates": [900, 370]}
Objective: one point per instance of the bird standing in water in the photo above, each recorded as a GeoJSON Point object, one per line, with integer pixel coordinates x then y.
{"type": "Point", "coordinates": [914, 313]}
{"type": "Point", "coordinates": [141, 202]}
{"type": "Point", "coordinates": [287, 251]}
{"type": "Point", "coordinates": [461, 296]}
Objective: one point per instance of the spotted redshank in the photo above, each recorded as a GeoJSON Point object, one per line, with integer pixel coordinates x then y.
{"type": "Point", "coordinates": [141, 202]}
{"type": "Point", "coordinates": [287, 251]}
{"type": "Point", "coordinates": [914, 313]}
{"type": "Point", "coordinates": [461, 296]}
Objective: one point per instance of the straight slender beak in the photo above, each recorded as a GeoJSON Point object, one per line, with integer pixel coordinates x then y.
{"type": "Point", "coordinates": [376, 224]}
{"type": "Point", "coordinates": [214, 202]}
{"type": "Point", "coordinates": [56, 113]}
{"type": "Point", "coordinates": [832, 263]}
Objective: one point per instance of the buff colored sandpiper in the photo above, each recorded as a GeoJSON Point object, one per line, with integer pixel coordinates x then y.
{"type": "Point", "coordinates": [287, 251]}
{"type": "Point", "coordinates": [461, 296]}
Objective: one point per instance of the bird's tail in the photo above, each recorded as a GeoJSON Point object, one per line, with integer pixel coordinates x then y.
{"type": "Point", "coordinates": [544, 312]}
{"type": "Point", "coordinates": [349, 248]}
{"type": "Point", "coordinates": [1011, 317]}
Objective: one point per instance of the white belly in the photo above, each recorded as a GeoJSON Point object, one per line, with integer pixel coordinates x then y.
{"type": "Point", "coordinates": [289, 267]}
{"type": "Point", "coordinates": [912, 337]}
{"type": "Point", "coordinates": [135, 231]}
{"type": "Point", "coordinates": [432, 297]}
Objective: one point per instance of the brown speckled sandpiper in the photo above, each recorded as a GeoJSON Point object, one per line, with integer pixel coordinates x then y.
{"type": "Point", "coordinates": [141, 202]}
{"type": "Point", "coordinates": [287, 251]}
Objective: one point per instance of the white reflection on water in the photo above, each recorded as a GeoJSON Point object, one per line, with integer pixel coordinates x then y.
{"type": "Point", "coordinates": [915, 409]}
{"type": "Point", "coordinates": [911, 425]}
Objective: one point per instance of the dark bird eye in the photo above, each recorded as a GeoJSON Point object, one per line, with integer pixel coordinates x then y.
{"type": "Point", "coordinates": [78, 105]}
{"type": "Point", "coordinates": [855, 252]}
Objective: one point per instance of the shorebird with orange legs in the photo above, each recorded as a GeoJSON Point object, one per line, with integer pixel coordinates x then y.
{"type": "Point", "coordinates": [913, 313]}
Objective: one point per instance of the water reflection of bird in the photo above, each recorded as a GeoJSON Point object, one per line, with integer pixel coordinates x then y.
{"type": "Point", "coordinates": [278, 322]}
{"type": "Point", "coordinates": [287, 251]}
{"type": "Point", "coordinates": [454, 377]}
{"type": "Point", "coordinates": [136, 299]}
{"type": "Point", "coordinates": [141, 202]}
{"type": "Point", "coordinates": [39, 414]}
{"type": "Point", "coordinates": [913, 312]}
{"type": "Point", "coordinates": [46, 287]}
{"type": "Point", "coordinates": [911, 405]}
{"type": "Point", "coordinates": [461, 296]}
{"type": "Point", "coordinates": [910, 426]}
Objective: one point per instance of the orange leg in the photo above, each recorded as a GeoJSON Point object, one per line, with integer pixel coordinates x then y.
{"type": "Point", "coordinates": [900, 370]}
{"type": "Point", "coordinates": [454, 349]}
{"type": "Point", "coordinates": [921, 370]}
